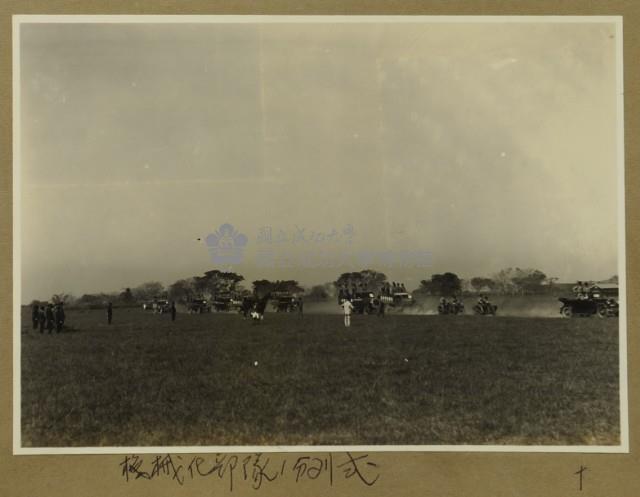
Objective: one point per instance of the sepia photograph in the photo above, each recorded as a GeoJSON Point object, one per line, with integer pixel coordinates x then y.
{"type": "Point", "coordinates": [287, 233]}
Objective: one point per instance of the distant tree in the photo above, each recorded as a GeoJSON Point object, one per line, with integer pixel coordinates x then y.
{"type": "Point", "coordinates": [262, 287]}
{"type": "Point", "coordinates": [519, 281]}
{"type": "Point", "coordinates": [88, 298]}
{"type": "Point", "coordinates": [447, 284]}
{"type": "Point", "coordinates": [550, 284]}
{"type": "Point", "coordinates": [215, 281]}
{"type": "Point", "coordinates": [182, 291]}
{"type": "Point", "coordinates": [368, 278]}
{"type": "Point", "coordinates": [528, 280]}
{"type": "Point", "coordinates": [242, 291]}
{"type": "Point", "coordinates": [96, 300]}
{"type": "Point", "coordinates": [426, 287]}
{"type": "Point", "coordinates": [479, 282]}
{"type": "Point", "coordinates": [551, 280]}
{"type": "Point", "coordinates": [318, 292]}
{"type": "Point", "coordinates": [148, 291]}
{"type": "Point", "coordinates": [373, 279]}
{"type": "Point", "coordinates": [502, 281]}
{"type": "Point", "coordinates": [126, 296]}
{"type": "Point", "coordinates": [63, 298]}
{"type": "Point", "coordinates": [613, 280]}
{"type": "Point", "coordinates": [291, 286]}
{"type": "Point", "coordinates": [348, 279]}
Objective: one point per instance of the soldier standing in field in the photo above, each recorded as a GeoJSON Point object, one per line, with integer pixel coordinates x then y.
{"type": "Point", "coordinates": [109, 313]}
{"type": "Point", "coordinates": [50, 318]}
{"type": "Point", "coordinates": [59, 316]}
{"type": "Point", "coordinates": [381, 309]}
{"type": "Point", "coordinates": [42, 318]}
{"type": "Point", "coordinates": [173, 311]}
{"type": "Point", "coordinates": [347, 306]}
{"type": "Point", "coordinates": [300, 306]}
{"type": "Point", "coordinates": [35, 312]}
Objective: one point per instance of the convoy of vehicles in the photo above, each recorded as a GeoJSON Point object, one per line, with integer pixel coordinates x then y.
{"type": "Point", "coordinates": [587, 300]}
{"type": "Point", "coordinates": [369, 302]}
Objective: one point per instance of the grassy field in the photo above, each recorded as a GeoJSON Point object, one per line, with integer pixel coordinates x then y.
{"type": "Point", "coordinates": [395, 380]}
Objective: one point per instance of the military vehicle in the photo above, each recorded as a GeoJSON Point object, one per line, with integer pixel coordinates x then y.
{"type": "Point", "coordinates": [162, 306]}
{"type": "Point", "coordinates": [226, 302]}
{"type": "Point", "coordinates": [368, 302]}
{"type": "Point", "coordinates": [157, 306]}
{"type": "Point", "coordinates": [446, 307]}
{"type": "Point", "coordinates": [598, 299]}
{"type": "Point", "coordinates": [485, 309]}
{"type": "Point", "coordinates": [284, 302]}
{"type": "Point", "coordinates": [397, 300]}
{"type": "Point", "coordinates": [198, 306]}
{"type": "Point", "coordinates": [365, 303]}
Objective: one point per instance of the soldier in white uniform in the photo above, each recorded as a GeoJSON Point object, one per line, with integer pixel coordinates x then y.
{"type": "Point", "coordinates": [348, 307]}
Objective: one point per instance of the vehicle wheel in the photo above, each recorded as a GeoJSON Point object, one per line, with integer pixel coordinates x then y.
{"type": "Point", "coordinates": [602, 311]}
{"type": "Point", "coordinates": [566, 311]}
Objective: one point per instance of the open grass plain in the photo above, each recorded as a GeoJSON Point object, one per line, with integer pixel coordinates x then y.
{"type": "Point", "coordinates": [216, 379]}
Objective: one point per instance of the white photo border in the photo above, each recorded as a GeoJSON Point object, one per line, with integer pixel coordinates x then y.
{"type": "Point", "coordinates": [18, 20]}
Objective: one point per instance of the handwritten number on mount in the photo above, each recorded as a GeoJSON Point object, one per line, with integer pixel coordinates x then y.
{"type": "Point", "coordinates": [580, 472]}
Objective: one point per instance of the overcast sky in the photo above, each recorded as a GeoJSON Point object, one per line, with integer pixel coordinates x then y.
{"type": "Point", "coordinates": [489, 145]}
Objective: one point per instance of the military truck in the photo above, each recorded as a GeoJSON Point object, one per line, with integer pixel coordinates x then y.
{"type": "Point", "coordinates": [162, 306]}
{"type": "Point", "coordinates": [157, 305]}
{"type": "Point", "coordinates": [365, 303]}
{"type": "Point", "coordinates": [446, 307]}
{"type": "Point", "coordinates": [485, 309]}
{"type": "Point", "coordinates": [397, 300]}
{"type": "Point", "coordinates": [198, 306]}
{"type": "Point", "coordinates": [284, 302]}
{"type": "Point", "coordinates": [226, 302]}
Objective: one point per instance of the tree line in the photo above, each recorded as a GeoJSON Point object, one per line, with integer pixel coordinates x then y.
{"type": "Point", "coordinates": [207, 286]}
{"type": "Point", "coordinates": [508, 281]}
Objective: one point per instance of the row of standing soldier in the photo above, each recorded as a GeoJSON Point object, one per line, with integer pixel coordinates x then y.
{"type": "Point", "coordinates": [50, 317]}
{"type": "Point", "coordinates": [582, 289]}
